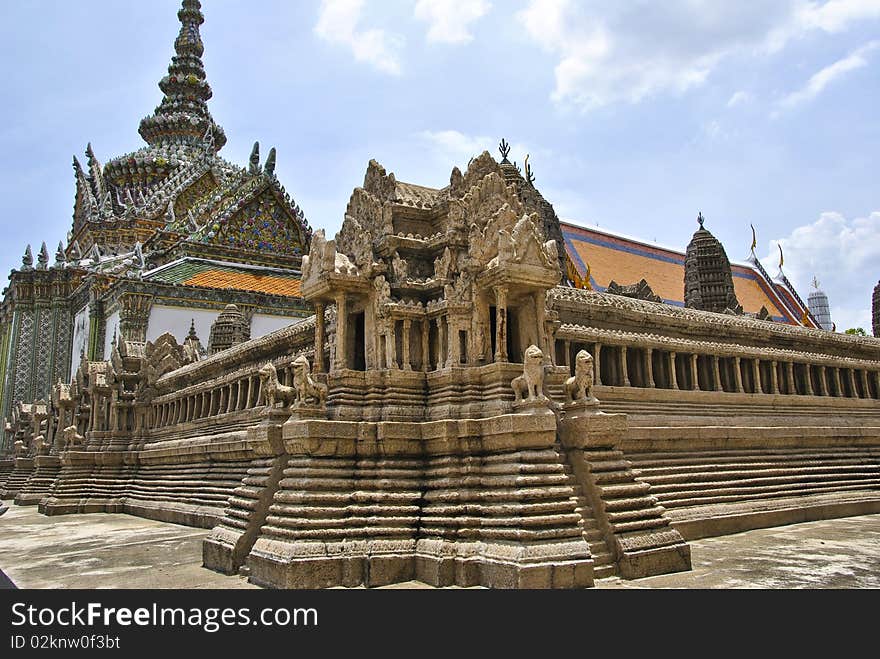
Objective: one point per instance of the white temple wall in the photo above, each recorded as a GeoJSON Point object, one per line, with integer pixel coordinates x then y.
{"type": "Point", "coordinates": [263, 324]}
{"type": "Point", "coordinates": [111, 329]}
{"type": "Point", "coordinates": [80, 338]}
{"type": "Point", "coordinates": [177, 321]}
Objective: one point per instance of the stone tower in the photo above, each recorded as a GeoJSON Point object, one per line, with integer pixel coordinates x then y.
{"type": "Point", "coordinates": [876, 308]}
{"type": "Point", "coordinates": [820, 308]}
{"type": "Point", "coordinates": [230, 329]}
{"type": "Point", "coordinates": [708, 282]}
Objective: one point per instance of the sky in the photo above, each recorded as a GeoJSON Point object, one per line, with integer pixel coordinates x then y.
{"type": "Point", "coordinates": [637, 115]}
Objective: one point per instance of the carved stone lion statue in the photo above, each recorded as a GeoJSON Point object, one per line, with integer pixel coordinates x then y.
{"type": "Point", "coordinates": [530, 385]}
{"type": "Point", "coordinates": [273, 390]}
{"type": "Point", "coordinates": [20, 449]}
{"type": "Point", "coordinates": [307, 390]}
{"type": "Point", "coordinates": [580, 387]}
{"type": "Point", "coordinates": [41, 446]}
{"type": "Point", "coordinates": [72, 438]}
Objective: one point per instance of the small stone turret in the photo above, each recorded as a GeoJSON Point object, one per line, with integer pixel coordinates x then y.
{"type": "Point", "coordinates": [820, 307]}
{"type": "Point", "coordinates": [708, 281]}
{"type": "Point", "coordinates": [230, 329]}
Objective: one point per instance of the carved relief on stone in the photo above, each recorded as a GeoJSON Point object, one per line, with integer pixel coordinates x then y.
{"type": "Point", "coordinates": [525, 244]}
{"type": "Point", "coordinates": [444, 264]}
{"type": "Point", "coordinates": [400, 268]}
{"type": "Point", "coordinates": [382, 294]}
{"type": "Point", "coordinates": [160, 358]}
{"type": "Point", "coordinates": [379, 183]}
{"type": "Point", "coordinates": [324, 260]}
{"type": "Point", "coordinates": [639, 291]}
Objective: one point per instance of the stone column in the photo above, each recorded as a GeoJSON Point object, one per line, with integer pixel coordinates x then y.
{"type": "Point", "coordinates": [838, 382]}
{"type": "Point", "coordinates": [390, 348]}
{"type": "Point", "coordinates": [789, 378]}
{"type": "Point", "coordinates": [426, 346]}
{"type": "Point", "coordinates": [340, 359]}
{"type": "Point", "coordinates": [808, 380]}
{"type": "Point", "coordinates": [597, 366]}
{"type": "Point", "coordinates": [541, 316]}
{"type": "Point", "coordinates": [320, 334]}
{"type": "Point", "coordinates": [453, 356]}
{"type": "Point", "coordinates": [673, 376]}
{"type": "Point", "coordinates": [407, 329]}
{"type": "Point", "coordinates": [738, 376]}
{"type": "Point", "coordinates": [623, 367]}
{"type": "Point", "coordinates": [501, 324]}
{"type": "Point", "coordinates": [716, 373]}
{"type": "Point", "coordinates": [877, 383]}
{"type": "Point", "coordinates": [865, 386]}
{"type": "Point", "coordinates": [568, 354]}
{"type": "Point", "coordinates": [774, 378]}
{"type": "Point", "coordinates": [649, 368]}
{"type": "Point", "coordinates": [695, 371]}
{"type": "Point", "coordinates": [756, 374]}
{"type": "Point", "coordinates": [852, 382]}
{"type": "Point", "coordinates": [823, 381]}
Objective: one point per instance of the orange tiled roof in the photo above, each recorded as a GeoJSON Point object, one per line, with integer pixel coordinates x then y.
{"type": "Point", "coordinates": [627, 261]}
{"type": "Point", "coordinates": [244, 281]}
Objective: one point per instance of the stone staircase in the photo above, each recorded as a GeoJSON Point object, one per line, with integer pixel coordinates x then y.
{"type": "Point", "coordinates": [6, 468]}
{"type": "Point", "coordinates": [699, 489]}
{"type": "Point", "coordinates": [16, 480]}
{"type": "Point", "coordinates": [41, 481]}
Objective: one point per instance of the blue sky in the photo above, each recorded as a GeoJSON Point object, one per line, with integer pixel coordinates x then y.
{"type": "Point", "coordinates": [636, 114]}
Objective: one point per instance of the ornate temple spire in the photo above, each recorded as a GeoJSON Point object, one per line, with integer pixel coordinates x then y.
{"type": "Point", "coordinates": [708, 279]}
{"type": "Point", "coordinates": [183, 116]}
{"type": "Point", "coordinates": [27, 261]}
{"type": "Point", "coordinates": [43, 258]}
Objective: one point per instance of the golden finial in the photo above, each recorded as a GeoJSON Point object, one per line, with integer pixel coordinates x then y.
{"type": "Point", "coordinates": [754, 238]}
{"type": "Point", "coordinates": [781, 257]}
{"type": "Point", "coordinates": [587, 278]}
{"type": "Point", "coordinates": [815, 282]}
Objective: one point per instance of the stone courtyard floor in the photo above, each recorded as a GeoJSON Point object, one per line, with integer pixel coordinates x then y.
{"type": "Point", "coordinates": [119, 551]}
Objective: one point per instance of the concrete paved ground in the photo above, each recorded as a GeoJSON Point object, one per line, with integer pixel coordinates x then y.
{"type": "Point", "coordinates": [119, 551]}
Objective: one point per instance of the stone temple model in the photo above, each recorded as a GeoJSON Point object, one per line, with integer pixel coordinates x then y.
{"type": "Point", "coordinates": [464, 406]}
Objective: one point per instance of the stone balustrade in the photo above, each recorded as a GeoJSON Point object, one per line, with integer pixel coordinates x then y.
{"type": "Point", "coordinates": [629, 359]}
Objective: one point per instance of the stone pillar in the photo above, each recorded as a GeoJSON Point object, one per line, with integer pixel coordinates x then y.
{"type": "Point", "coordinates": [623, 367]}
{"type": "Point", "coordinates": [838, 382]}
{"type": "Point", "coordinates": [320, 334]}
{"type": "Point", "coordinates": [340, 359]}
{"type": "Point", "coordinates": [407, 330]}
{"type": "Point", "coordinates": [390, 348]}
{"type": "Point", "coordinates": [500, 324]}
{"type": "Point", "coordinates": [453, 356]}
{"type": "Point", "coordinates": [649, 368]}
{"type": "Point", "coordinates": [597, 370]}
{"type": "Point", "coordinates": [695, 371]}
{"type": "Point", "coordinates": [823, 381]}
{"type": "Point", "coordinates": [852, 382]}
{"type": "Point", "coordinates": [568, 354]}
{"type": "Point", "coordinates": [738, 376]}
{"type": "Point", "coordinates": [865, 386]}
{"type": "Point", "coordinates": [541, 317]}
{"type": "Point", "coordinates": [756, 374]}
{"type": "Point", "coordinates": [426, 346]}
{"type": "Point", "coordinates": [673, 376]}
{"type": "Point", "coordinates": [716, 373]}
{"type": "Point", "coordinates": [808, 380]}
{"type": "Point", "coordinates": [877, 383]}
{"type": "Point", "coordinates": [134, 316]}
{"type": "Point", "coordinates": [774, 378]}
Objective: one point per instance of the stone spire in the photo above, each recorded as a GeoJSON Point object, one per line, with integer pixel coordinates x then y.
{"type": "Point", "coordinates": [708, 280]}
{"type": "Point", "coordinates": [27, 261]}
{"type": "Point", "coordinates": [819, 307]}
{"type": "Point", "coordinates": [183, 116]}
{"type": "Point", "coordinates": [230, 329]}
{"type": "Point", "coordinates": [876, 309]}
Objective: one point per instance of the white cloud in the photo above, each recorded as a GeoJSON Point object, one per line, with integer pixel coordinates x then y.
{"type": "Point", "coordinates": [820, 80]}
{"type": "Point", "coordinates": [843, 254]}
{"type": "Point", "coordinates": [739, 98]}
{"type": "Point", "coordinates": [338, 23]}
{"type": "Point", "coordinates": [611, 52]}
{"type": "Point", "coordinates": [837, 15]}
{"type": "Point", "coordinates": [449, 21]}
{"type": "Point", "coordinates": [453, 146]}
